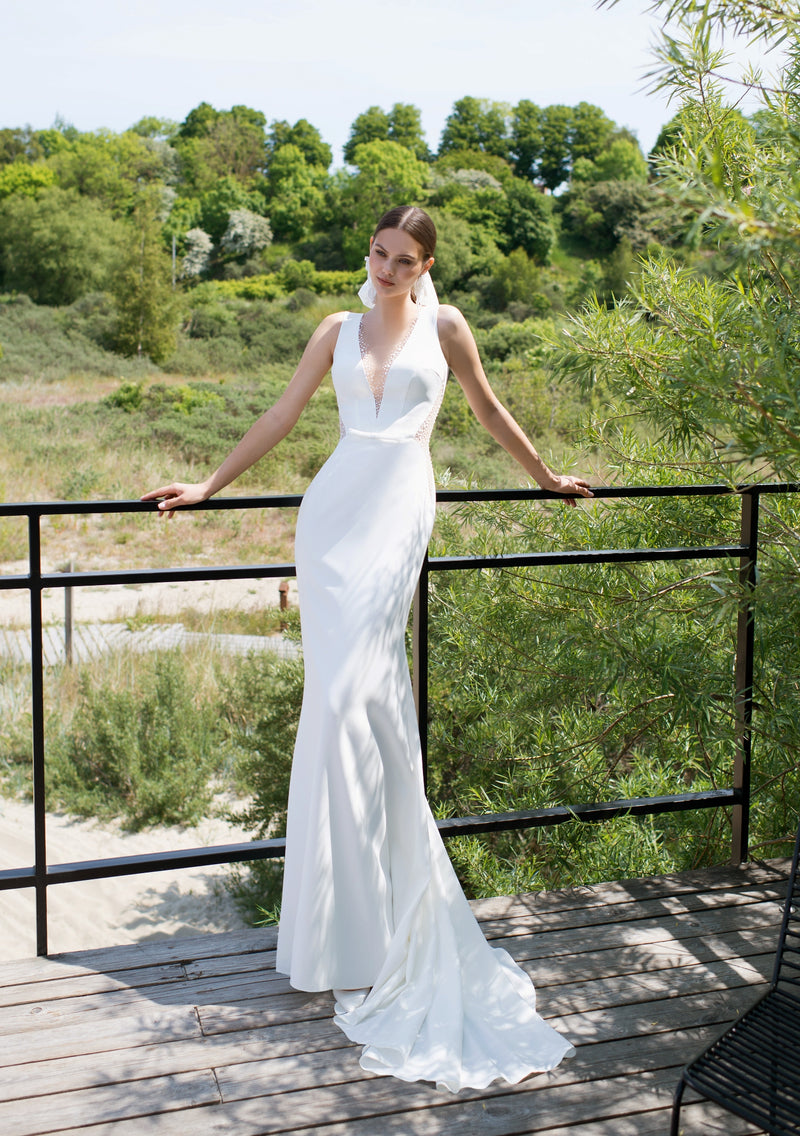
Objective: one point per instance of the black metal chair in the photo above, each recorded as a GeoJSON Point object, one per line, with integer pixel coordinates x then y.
{"type": "Point", "coordinates": [753, 1069]}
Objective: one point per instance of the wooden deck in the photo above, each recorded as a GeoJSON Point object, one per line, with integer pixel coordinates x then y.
{"type": "Point", "coordinates": [193, 1037]}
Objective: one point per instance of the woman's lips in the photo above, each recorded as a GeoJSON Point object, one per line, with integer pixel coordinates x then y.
{"type": "Point", "coordinates": [386, 283]}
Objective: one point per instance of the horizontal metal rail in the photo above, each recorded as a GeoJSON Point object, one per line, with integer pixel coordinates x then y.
{"type": "Point", "coordinates": [15, 878]}
{"type": "Point", "coordinates": [41, 875]}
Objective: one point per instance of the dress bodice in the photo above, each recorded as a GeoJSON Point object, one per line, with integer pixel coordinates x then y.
{"type": "Point", "coordinates": [409, 398]}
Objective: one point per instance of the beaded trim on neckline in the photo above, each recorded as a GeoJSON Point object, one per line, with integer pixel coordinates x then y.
{"type": "Point", "coordinates": [376, 376]}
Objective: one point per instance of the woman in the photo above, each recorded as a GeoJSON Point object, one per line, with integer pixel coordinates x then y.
{"type": "Point", "coordinates": [371, 905]}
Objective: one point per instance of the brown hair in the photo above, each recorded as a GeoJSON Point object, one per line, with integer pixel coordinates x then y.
{"type": "Point", "coordinates": [414, 221]}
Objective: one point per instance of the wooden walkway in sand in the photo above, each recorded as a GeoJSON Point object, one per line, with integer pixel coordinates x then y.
{"type": "Point", "coordinates": [92, 640]}
{"type": "Point", "coordinates": [197, 1037]}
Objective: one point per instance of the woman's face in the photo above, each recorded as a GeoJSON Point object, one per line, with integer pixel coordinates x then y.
{"type": "Point", "coordinates": [395, 262]}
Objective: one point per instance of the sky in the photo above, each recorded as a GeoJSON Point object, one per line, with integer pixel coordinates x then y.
{"type": "Point", "coordinates": [102, 63]}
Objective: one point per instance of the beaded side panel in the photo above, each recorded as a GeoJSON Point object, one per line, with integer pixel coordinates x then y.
{"type": "Point", "coordinates": [376, 377]}
{"type": "Point", "coordinates": [423, 435]}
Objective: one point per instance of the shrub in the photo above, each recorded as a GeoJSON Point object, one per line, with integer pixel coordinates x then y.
{"type": "Point", "coordinates": [262, 708]}
{"type": "Point", "coordinates": [144, 754]}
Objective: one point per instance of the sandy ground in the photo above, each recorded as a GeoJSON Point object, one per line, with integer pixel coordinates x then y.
{"type": "Point", "coordinates": [120, 602]}
{"type": "Point", "coordinates": [112, 912]}
{"type": "Point", "coordinates": [131, 908]}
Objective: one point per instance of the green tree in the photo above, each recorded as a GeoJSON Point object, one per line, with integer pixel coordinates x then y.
{"type": "Point", "coordinates": [555, 153]}
{"type": "Point", "coordinates": [296, 200]}
{"type": "Point", "coordinates": [57, 246]}
{"type": "Point", "coordinates": [620, 161]}
{"type": "Point", "coordinates": [402, 124]}
{"type": "Point", "coordinates": [219, 143]}
{"type": "Point", "coordinates": [590, 132]}
{"type": "Point", "coordinates": [110, 167]}
{"type": "Point", "coordinates": [388, 175]}
{"type": "Point", "coordinates": [146, 302]}
{"type": "Point", "coordinates": [528, 222]}
{"type": "Point", "coordinates": [45, 143]}
{"type": "Point", "coordinates": [474, 196]}
{"type": "Point", "coordinates": [12, 145]}
{"type": "Point", "coordinates": [706, 357]}
{"type": "Point", "coordinates": [405, 128]}
{"type": "Point", "coordinates": [517, 277]}
{"type": "Point", "coordinates": [25, 143]}
{"type": "Point", "coordinates": [455, 257]}
{"type": "Point", "coordinates": [478, 124]}
{"type": "Point", "coordinates": [526, 138]}
{"type": "Point", "coordinates": [157, 129]}
{"type": "Point", "coordinates": [217, 203]}
{"type": "Point", "coordinates": [601, 214]}
{"type": "Point", "coordinates": [24, 178]}
{"type": "Point", "coordinates": [497, 168]}
{"type": "Point", "coordinates": [370, 126]}
{"type": "Point", "coordinates": [305, 137]}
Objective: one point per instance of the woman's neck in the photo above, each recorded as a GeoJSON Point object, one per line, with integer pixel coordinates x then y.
{"type": "Point", "coordinates": [395, 313]}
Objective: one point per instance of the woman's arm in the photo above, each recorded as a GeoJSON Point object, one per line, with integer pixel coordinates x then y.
{"type": "Point", "coordinates": [461, 353]}
{"type": "Point", "coordinates": [269, 429]}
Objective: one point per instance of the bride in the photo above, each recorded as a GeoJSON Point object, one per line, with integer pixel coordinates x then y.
{"type": "Point", "coordinates": [372, 908]}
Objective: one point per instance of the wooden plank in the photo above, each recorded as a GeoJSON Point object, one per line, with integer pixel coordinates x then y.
{"type": "Point", "coordinates": [642, 1019]}
{"type": "Point", "coordinates": [702, 1120]}
{"type": "Point", "coordinates": [231, 964]}
{"type": "Point", "coordinates": [99, 1035]}
{"type": "Point", "coordinates": [690, 904]}
{"type": "Point", "coordinates": [730, 974]}
{"type": "Point", "coordinates": [177, 949]}
{"type": "Point", "coordinates": [647, 956]}
{"type": "Point", "coordinates": [383, 1105]}
{"type": "Point", "coordinates": [555, 943]}
{"type": "Point", "coordinates": [17, 1018]}
{"type": "Point", "coordinates": [83, 1070]}
{"type": "Point", "coordinates": [89, 984]}
{"type": "Point", "coordinates": [706, 1120]}
{"type": "Point", "coordinates": [106, 1103]}
{"type": "Point", "coordinates": [757, 874]}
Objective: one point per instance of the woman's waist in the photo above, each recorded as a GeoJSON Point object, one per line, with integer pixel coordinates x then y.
{"type": "Point", "coordinates": [391, 436]}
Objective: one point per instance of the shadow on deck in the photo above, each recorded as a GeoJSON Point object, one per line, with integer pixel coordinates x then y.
{"type": "Point", "coordinates": [639, 974]}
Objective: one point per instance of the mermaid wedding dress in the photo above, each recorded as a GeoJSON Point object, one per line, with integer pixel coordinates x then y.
{"type": "Point", "coordinates": [370, 898]}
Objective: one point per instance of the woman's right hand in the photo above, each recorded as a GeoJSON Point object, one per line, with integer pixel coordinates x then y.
{"type": "Point", "coordinates": [177, 494]}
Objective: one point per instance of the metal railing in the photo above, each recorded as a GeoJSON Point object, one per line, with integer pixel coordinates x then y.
{"type": "Point", "coordinates": [41, 875]}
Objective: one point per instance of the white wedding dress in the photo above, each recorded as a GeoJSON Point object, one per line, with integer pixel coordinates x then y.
{"type": "Point", "coordinates": [370, 898]}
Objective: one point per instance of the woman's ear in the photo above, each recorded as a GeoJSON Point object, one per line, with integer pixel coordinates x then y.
{"type": "Point", "coordinates": [429, 264]}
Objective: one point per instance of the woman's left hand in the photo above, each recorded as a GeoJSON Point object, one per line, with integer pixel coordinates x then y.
{"type": "Point", "coordinates": [571, 487]}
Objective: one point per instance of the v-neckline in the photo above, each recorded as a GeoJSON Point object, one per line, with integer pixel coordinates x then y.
{"type": "Point", "coordinates": [376, 379]}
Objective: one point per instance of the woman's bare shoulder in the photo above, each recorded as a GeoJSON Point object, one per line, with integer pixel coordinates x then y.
{"type": "Point", "coordinates": [334, 320]}
{"type": "Point", "coordinates": [327, 330]}
{"type": "Point", "coordinates": [451, 323]}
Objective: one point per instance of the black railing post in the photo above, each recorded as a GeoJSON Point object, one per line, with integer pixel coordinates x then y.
{"type": "Point", "coordinates": [37, 721]}
{"type": "Point", "coordinates": [419, 657]}
{"type": "Point", "coordinates": [743, 678]}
